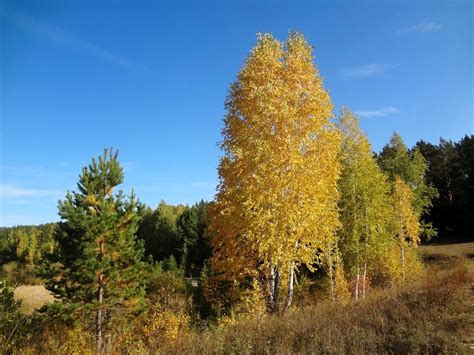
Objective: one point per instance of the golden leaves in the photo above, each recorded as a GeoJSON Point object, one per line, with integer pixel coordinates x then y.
{"type": "Point", "coordinates": [278, 192]}
{"type": "Point", "coordinates": [406, 220]}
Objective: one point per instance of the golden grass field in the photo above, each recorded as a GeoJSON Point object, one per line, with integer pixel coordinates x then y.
{"type": "Point", "coordinates": [32, 297]}
{"type": "Point", "coordinates": [443, 253]}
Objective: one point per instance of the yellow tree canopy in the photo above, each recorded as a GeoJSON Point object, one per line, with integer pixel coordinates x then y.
{"type": "Point", "coordinates": [277, 198]}
{"type": "Point", "coordinates": [405, 219]}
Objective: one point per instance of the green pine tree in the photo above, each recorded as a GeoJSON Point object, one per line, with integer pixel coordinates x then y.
{"type": "Point", "coordinates": [191, 226]}
{"type": "Point", "coordinates": [398, 161]}
{"type": "Point", "coordinates": [98, 270]}
{"type": "Point", "coordinates": [158, 231]}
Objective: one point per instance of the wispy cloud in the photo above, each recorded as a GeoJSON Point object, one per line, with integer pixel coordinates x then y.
{"type": "Point", "coordinates": [14, 191]}
{"type": "Point", "coordinates": [129, 166]}
{"type": "Point", "coordinates": [63, 164]}
{"type": "Point", "coordinates": [422, 27]}
{"type": "Point", "coordinates": [69, 40]}
{"type": "Point", "coordinates": [367, 70]}
{"type": "Point", "coordinates": [383, 112]}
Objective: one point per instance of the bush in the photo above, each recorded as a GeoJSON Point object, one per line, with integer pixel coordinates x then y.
{"type": "Point", "coordinates": [15, 328]}
{"type": "Point", "coordinates": [23, 274]}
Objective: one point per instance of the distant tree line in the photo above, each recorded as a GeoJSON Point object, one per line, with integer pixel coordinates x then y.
{"type": "Point", "coordinates": [172, 235]}
{"type": "Point", "coordinates": [176, 234]}
{"type": "Point", "coordinates": [451, 172]}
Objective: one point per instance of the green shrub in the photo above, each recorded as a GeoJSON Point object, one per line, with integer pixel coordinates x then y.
{"type": "Point", "coordinates": [15, 328]}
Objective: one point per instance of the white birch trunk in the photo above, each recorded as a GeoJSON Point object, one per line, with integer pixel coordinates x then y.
{"type": "Point", "coordinates": [357, 284]}
{"type": "Point", "coordinates": [331, 279]}
{"type": "Point", "coordinates": [403, 261]}
{"type": "Point", "coordinates": [289, 297]}
{"type": "Point", "coordinates": [271, 287]}
{"type": "Point", "coordinates": [276, 290]}
{"type": "Point", "coordinates": [364, 281]}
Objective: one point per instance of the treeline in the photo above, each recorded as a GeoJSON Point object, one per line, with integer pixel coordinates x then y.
{"type": "Point", "coordinates": [451, 172]}
{"type": "Point", "coordinates": [176, 235]}
{"type": "Point", "coordinates": [22, 249]}
{"type": "Point", "coordinates": [177, 232]}
{"type": "Point", "coordinates": [172, 235]}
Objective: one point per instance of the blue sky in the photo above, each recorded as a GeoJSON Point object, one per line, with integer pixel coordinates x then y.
{"type": "Point", "coordinates": [150, 78]}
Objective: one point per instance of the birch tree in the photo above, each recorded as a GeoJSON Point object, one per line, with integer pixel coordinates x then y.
{"type": "Point", "coordinates": [364, 203]}
{"type": "Point", "coordinates": [276, 205]}
{"type": "Point", "coordinates": [405, 220]}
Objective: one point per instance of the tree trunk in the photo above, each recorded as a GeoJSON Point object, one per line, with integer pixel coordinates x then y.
{"type": "Point", "coordinates": [98, 322]}
{"type": "Point", "coordinates": [271, 288]}
{"type": "Point", "coordinates": [331, 279]}
{"type": "Point", "coordinates": [403, 261]}
{"type": "Point", "coordinates": [276, 290]}
{"type": "Point", "coordinates": [289, 297]}
{"type": "Point", "coordinates": [274, 286]}
{"type": "Point", "coordinates": [364, 280]}
{"type": "Point", "coordinates": [357, 284]}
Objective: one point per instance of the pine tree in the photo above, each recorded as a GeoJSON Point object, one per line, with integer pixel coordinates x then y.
{"type": "Point", "coordinates": [364, 204]}
{"type": "Point", "coordinates": [191, 226]}
{"type": "Point", "coordinates": [97, 269]}
{"type": "Point", "coordinates": [158, 231]}
{"type": "Point", "coordinates": [277, 201]}
{"type": "Point", "coordinates": [398, 161]}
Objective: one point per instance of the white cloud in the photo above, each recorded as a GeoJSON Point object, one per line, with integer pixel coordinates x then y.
{"type": "Point", "coordinates": [422, 27]}
{"type": "Point", "coordinates": [63, 164]}
{"type": "Point", "coordinates": [371, 69]}
{"type": "Point", "coordinates": [128, 166]}
{"type": "Point", "coordinates": [383, 112]}
{"type": "Point", "coordinates": [13, 191]}
{"type": "Point", "coordinates": [67, 39]}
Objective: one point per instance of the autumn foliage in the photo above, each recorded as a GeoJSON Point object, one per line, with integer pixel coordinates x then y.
{"type": "Point", "coordinates": [277, 199]}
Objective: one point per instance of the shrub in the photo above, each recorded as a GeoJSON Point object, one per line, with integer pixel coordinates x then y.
{"type": "Point", "coordinates": [15, 328]}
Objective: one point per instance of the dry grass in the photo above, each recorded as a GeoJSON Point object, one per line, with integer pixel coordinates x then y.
{"type": "Point", "coordinates": [32, 297]}
{"type": "Point", "coordinates": [427, 316]}
{"type": "Point", "coordinates": [443, 254]}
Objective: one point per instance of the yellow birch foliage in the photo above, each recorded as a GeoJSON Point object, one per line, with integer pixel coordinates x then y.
{"type": "Point", "coordinates": [165, 324]}
{"type": "Point", "coordinates": [365, 201]}
{"type": "Point", "coordinates": [341, 287]}
{"type": "Point", "coordinates": [277, 198]}
{"type": "Point", "coordinates": [406, 224]}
